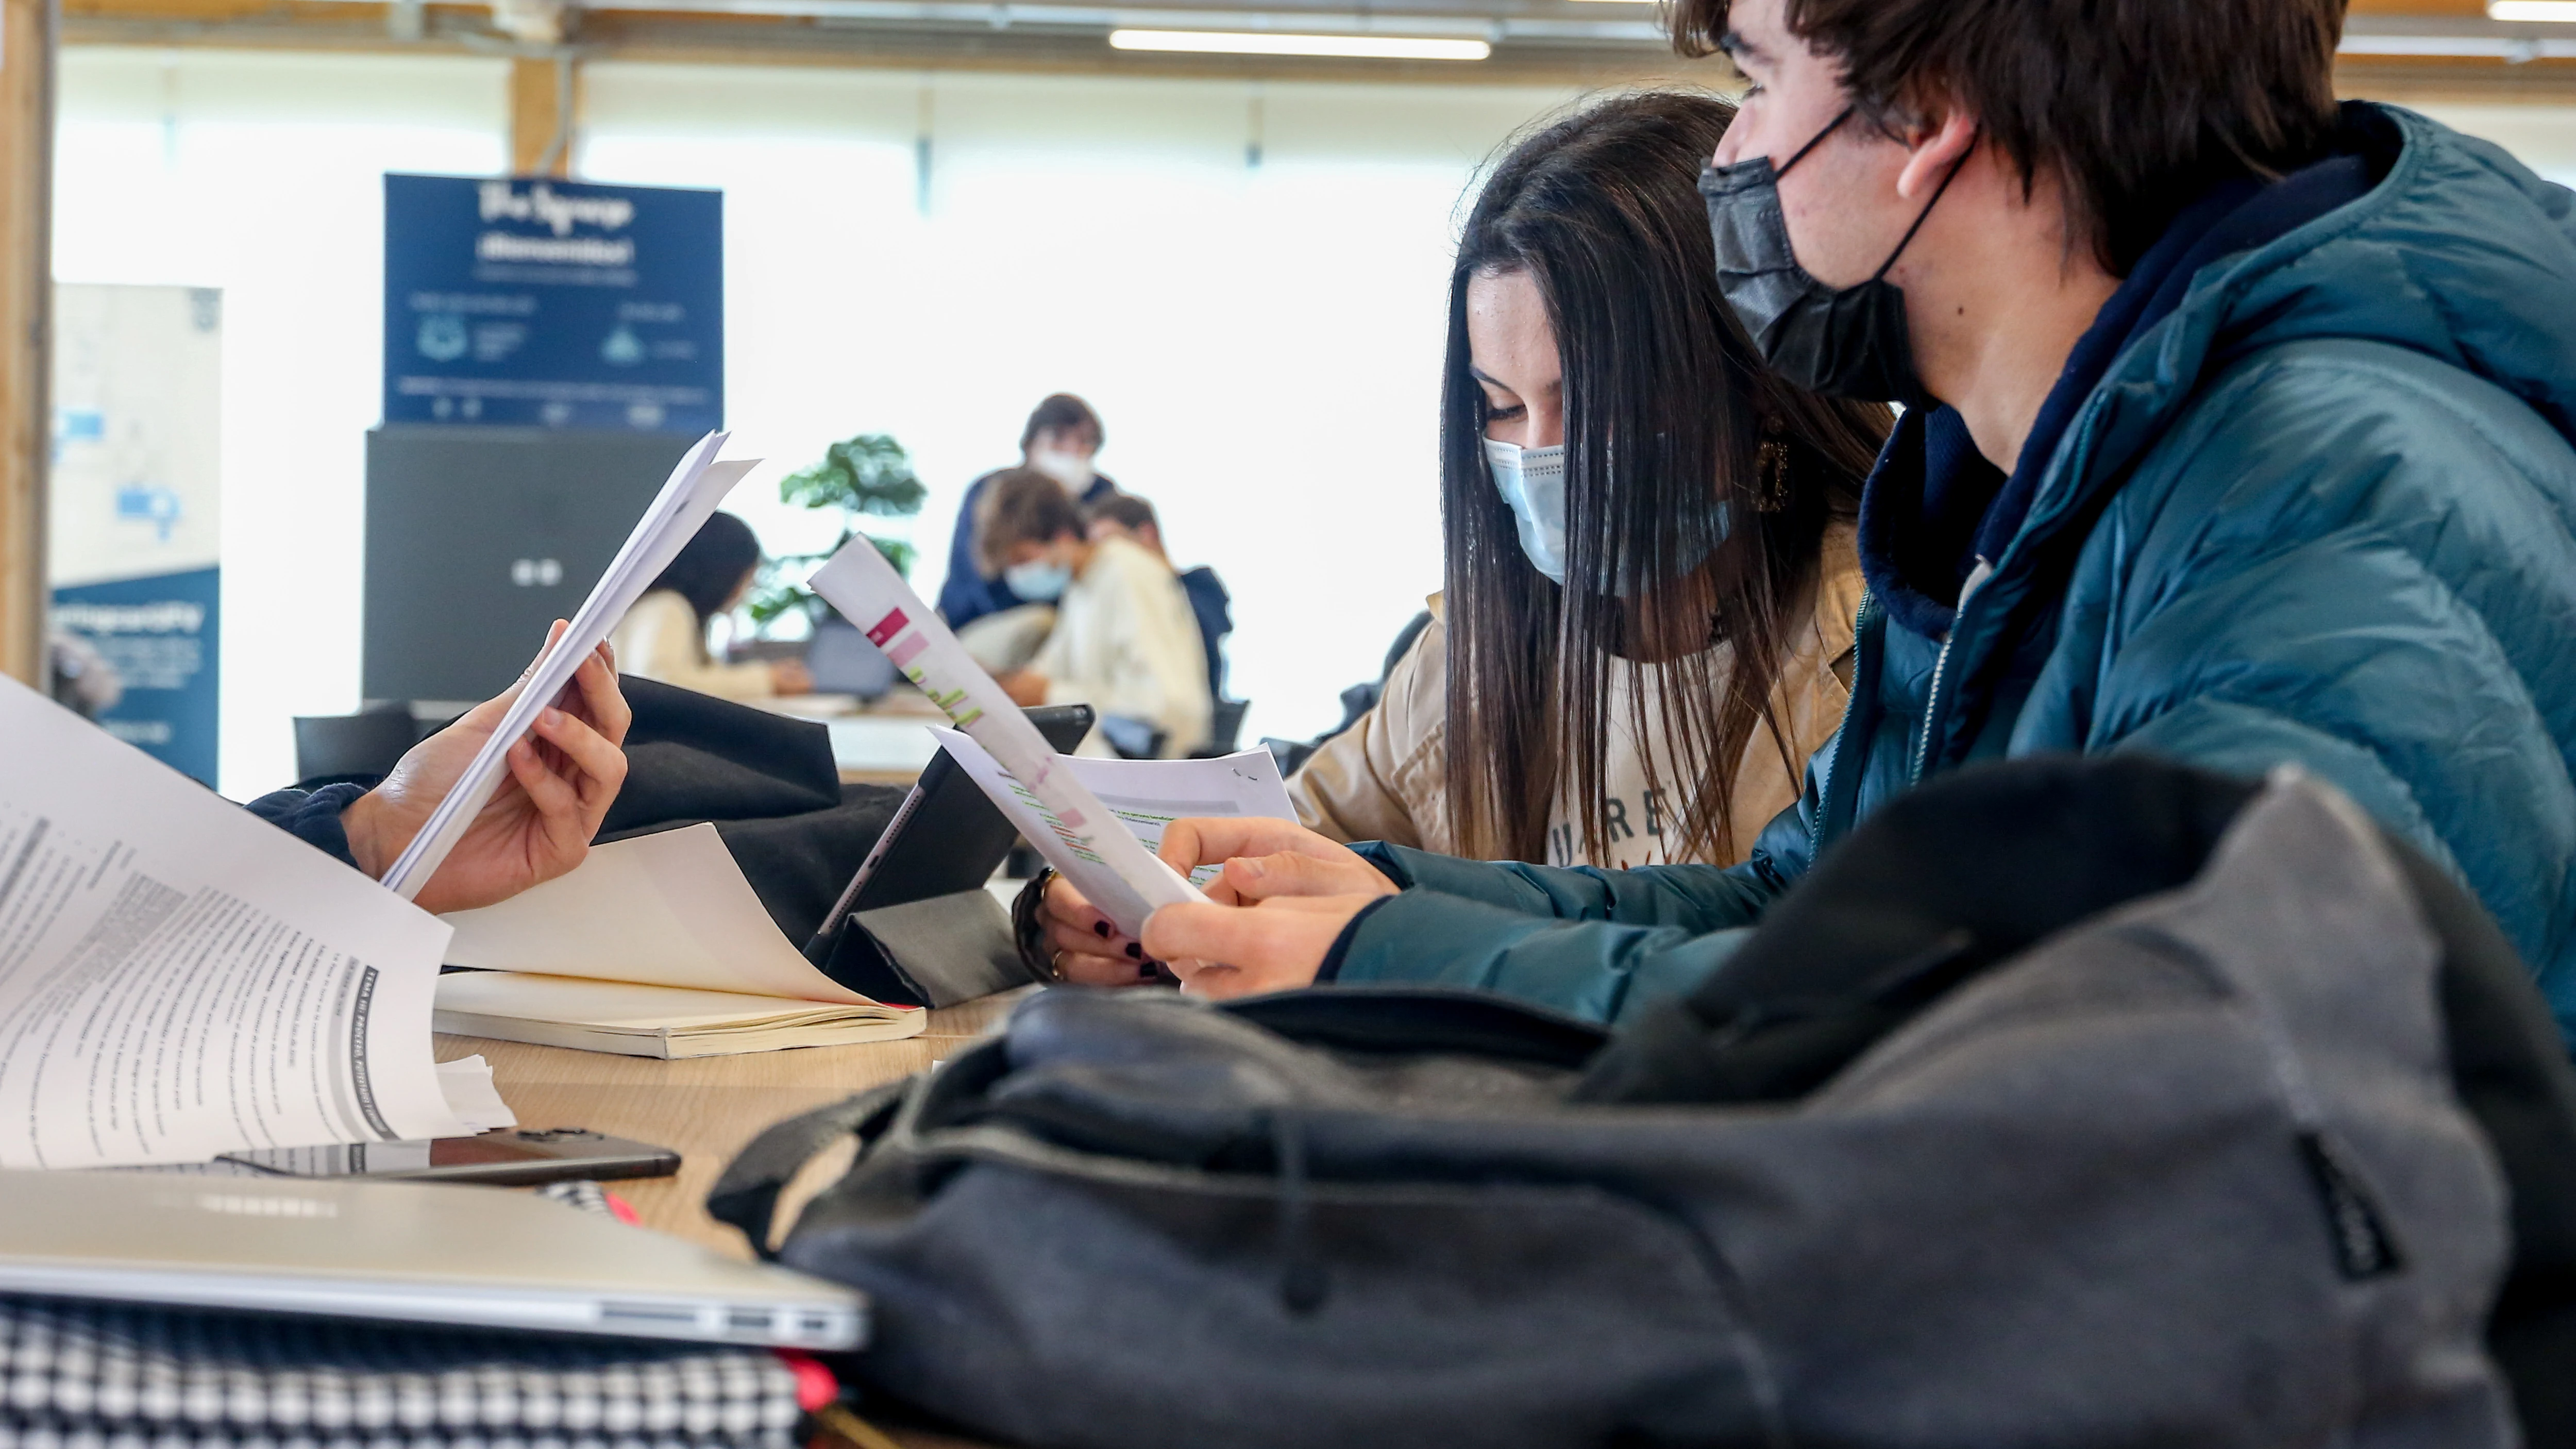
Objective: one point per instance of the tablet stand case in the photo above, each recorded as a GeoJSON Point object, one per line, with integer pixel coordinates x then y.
{"type": "Point", "coordinates": [935, 952]}
{"type": "Point", "coordinates": [927, 932]}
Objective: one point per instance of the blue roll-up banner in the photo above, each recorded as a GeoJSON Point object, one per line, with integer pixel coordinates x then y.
{"type": "Point", "coordinates": [131, 536]}
{"type": "Point", "coordinates": [541, 302]}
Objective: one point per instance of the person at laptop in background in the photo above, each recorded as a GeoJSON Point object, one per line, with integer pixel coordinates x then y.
{"type": "Point", "coordinates": [1061, 438]}
{"type": "Point", "coordinates": [538, 825]}
{"type": "Point", "coordinates": [1124, 641]}
{"type": "Point", "coordinates": [1124, 515]}
{"type": "Point", "coordinates": [664, 637]}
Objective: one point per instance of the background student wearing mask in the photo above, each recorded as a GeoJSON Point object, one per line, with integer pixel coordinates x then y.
{"type": "Point", "coordinates": [2242, 436]}
{"type": "Point", "coordinates": [1515, 734]}
{"type": "Point", "coordinates": [1124, 515]}
{"type": "Point", "coordinates": [664, 637]}
{"type": "Point", "coordinates": [1060, 439]}
{"type": "Point", "coordinates": [1124, 640]}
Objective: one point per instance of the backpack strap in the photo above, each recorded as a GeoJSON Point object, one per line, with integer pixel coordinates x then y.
{"type": "Point", "coordinates": [746, 1197]}
{"type": "Point", "coordinates": [1415, 1020]}
{"type": "Point", "coordinates": [2509, 1065]}
{"type": "Point", "coordinates": [1948, 879]}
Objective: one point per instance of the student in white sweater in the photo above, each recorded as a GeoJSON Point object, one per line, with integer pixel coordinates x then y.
{"type": "Point", "coordinates": [664, 637]}
{"type": "Point", "coordinates": [1125, 641]}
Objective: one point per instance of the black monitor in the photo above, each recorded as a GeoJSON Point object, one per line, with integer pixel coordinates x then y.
{"type": "Point", "coordinates": [478, 538]}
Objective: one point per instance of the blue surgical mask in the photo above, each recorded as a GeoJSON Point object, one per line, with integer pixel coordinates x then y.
{"type": "Point", "coordinates": [1532, 482]}
{"type": "Point", "coordinates": [1040, 581]}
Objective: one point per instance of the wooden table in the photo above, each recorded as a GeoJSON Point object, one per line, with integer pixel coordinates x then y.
{"type": "Point", "coordinates": [707, 1108]}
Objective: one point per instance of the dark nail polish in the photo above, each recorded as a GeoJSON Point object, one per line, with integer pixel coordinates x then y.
{"type": "Point", "coordinates": [1100, 928]}
{"type": "Point", "coordinates": [1145, 972]}
{"type": "Point", "coordinates": [1135, 952]}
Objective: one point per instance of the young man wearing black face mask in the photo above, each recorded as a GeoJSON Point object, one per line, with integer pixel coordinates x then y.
{"type": "Point", "coordinates": [2240, 434]}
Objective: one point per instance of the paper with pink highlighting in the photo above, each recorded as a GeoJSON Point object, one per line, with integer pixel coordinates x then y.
{"type": "Point", "coordinates": [1086, 841]}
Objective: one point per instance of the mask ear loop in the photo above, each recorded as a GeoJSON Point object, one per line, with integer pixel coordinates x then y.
{"type": "Point", "coordinates": [1818, 139]}
{"type": "Point", "coordinates": [1926, 214]}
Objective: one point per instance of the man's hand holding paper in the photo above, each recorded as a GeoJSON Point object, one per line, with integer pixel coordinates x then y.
{"type": "Point", "coordinates": [1283, 896]}
{"type": "Point", "coordinates": [538, 824]}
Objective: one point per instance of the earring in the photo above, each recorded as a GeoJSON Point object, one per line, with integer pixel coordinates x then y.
{"type": "Point", "coordinates": [1771, 472]}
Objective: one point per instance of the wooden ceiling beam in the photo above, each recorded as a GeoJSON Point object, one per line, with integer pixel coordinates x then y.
{"type": "Point", "coordinates": [972, 43]}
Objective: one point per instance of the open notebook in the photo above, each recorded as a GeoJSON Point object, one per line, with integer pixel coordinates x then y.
{"type": "Point", "coordinates": [655, 947]}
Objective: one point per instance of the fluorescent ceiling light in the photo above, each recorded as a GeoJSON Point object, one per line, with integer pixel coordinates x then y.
{"type": "Point", "coordinates": [2558, 10]}
{"type": "Point", "coordinates": [1258, 42]}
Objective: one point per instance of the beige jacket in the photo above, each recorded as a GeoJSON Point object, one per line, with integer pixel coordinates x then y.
{"type": "Point", "coordinates": [661, 638]}
{"type": "Point", "coordinates": [1126, 643]}
{"type": "Point", "coordinates": [1384, 778]}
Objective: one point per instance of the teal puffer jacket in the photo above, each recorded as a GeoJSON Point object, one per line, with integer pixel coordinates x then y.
{"type": "Point", "coordinates": [2323, 513]}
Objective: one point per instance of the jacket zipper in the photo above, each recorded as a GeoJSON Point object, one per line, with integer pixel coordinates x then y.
{"type": "Point", "coordinates": [1931, 710]}
{"type": "Point", "coordinates": [1941, 669]}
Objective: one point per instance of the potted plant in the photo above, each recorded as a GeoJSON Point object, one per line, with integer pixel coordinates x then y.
{"type": "Point", "coordinates": [868, 476]}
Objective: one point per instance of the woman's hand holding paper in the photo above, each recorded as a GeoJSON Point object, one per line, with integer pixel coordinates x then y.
{"type": "Point", "coordinates": [538, 825]}
{"type": "Point", "coordinates": [1086, 948]}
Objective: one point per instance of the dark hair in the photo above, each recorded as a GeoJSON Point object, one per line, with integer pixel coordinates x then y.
{"type": "Point", "coordinates": [1062, 413]}
{"type": "Point", "coordinates": [1127, 511]}
{"type": "Point", "coordinates": [712, 565]}
{"type": "Point", "coordinates": [2137, 106]}
{"type": "Point", "coordinates": [1668, 412]}
{"type": "Point", "coordinates": [1021, 505]}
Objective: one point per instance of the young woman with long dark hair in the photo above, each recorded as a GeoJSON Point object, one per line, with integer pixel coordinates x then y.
{"type": "Point", "coordinates": [1712, 577]}
{"type": "Point", "coordinates": [1650, 577]}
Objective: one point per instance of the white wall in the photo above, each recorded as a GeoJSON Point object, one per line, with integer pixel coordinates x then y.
{"type": "Point", "coordinates": [2541, 137]}
{"type": "Point", "coordinates": [260, 174]}
{"type": "Point", "coordinates": [1263, 341]}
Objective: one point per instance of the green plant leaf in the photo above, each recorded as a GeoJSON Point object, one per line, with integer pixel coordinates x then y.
{"type": "Point", "coordinates": [897, 552]}
{"type": "Point", "coordinates": [868, 474]}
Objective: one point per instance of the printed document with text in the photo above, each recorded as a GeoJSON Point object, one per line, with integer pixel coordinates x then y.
{"type": "Point", "coordinates": [180, 978]}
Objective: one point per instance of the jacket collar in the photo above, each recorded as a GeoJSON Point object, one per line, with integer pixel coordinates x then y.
{"type": "Point", "coordinates": [1936, 510]}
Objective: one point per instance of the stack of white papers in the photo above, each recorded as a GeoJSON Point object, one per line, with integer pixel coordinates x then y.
{"type": "Point", "coordinates": [1145, 796]}
{"type": "Point", "coordinates": [657, 947]}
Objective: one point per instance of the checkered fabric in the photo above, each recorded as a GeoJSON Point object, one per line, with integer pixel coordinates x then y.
{"type": "Point", "coordinates": [86, 1375]}
{"type": "Point", "coordinates": [579, 1193]}
{"type": "Point", "coordinates": [74, 1375]}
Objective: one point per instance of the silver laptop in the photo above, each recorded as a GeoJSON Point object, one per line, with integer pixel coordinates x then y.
{"type": "Point", "coordinates": [401, 1252]}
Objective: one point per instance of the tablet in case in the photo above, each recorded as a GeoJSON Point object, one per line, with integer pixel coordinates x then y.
{"type": "Point", "coordinates": [916, 927]}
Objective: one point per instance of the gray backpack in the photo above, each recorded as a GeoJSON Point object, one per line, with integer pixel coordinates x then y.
{"type": "Point", "coordinates": [2065, 1103]}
